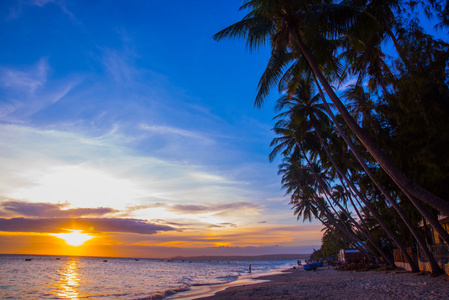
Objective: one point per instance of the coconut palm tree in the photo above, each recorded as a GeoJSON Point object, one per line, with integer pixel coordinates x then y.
{"type": "Point", "coordinates": [302, 113]}
{"type": "Point", "coordinates": [299, 183]}
{"type": "Point", "coordinates": [300, 121]}
{"type": "Point", "coordinates": [436, 270]}
{"type": "Point", "coordinates": [298, 27]}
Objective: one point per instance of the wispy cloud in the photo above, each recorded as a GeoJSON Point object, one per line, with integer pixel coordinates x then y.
{"type": "Point", "coordinates": [40, 3]}
{"type": "Point", "coordinates": [27, 80]}
{"type": "Point", "coordinates": [50, 166]}
{"type": "Point", "coordinates": [218, 208]}
{"type": "Point", "coordinates": [29, 90]}
{"type": "Point", "coordinates": [172, 131]}
{"type": "Point", "coordinates": [118, 66]}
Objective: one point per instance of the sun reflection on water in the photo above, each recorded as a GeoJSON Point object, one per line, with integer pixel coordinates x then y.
{"type": "Point", "coordinates": [67, 287]}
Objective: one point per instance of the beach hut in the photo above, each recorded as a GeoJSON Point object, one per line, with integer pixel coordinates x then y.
{"type": "Point", "coordinates": [350, 255]}
{"type": "Point", "coordinates": [436, 245]}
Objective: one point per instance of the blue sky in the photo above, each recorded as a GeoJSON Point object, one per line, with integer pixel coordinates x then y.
{"type": "Point", "coordinates": [129, 110]}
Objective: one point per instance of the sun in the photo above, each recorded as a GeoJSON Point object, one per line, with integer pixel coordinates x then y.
{"type": "Point", "coordinates": [74, 238]}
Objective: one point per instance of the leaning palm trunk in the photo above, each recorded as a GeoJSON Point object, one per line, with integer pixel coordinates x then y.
{"type": "Point", "coordinates": [403, 182]}
{"type": "Point", "coordinates": [374, 213]}
{"type": "Point", "coordinates": [363, 231]}
{"type": "Point", "coordinates": [345, 239]}
{"type": "Point", "coordinates": [355, 240]}
{"type": "Point", "coordinates": [357, 211]}
{"type": "Point", "coordinates": [386, 257]}
{"type": "Point", "coordinates": [435, 268]}
{"type": "Point", "coordinates": [433, 221]}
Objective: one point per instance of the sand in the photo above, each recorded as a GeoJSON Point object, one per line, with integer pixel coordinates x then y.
{"type": "Point", "coordinates": [328, 283]}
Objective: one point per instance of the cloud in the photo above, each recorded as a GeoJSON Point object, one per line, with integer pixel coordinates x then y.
{"type": "Point", "coordinates": [278, 199]}
{"type": "Point", "coordinates": [214, 208]}
{"type": "Point", "coordinates": [118, 66]}
{"type": "Point", "coordinates": [177, 224]}
{"type": "Point", "coordinates": [172, 131]}
{"type": "Point", "coordinates": [222, 225]}
{"type": "Point", "coordinates": [33, 163]}
{"type": "Point", "coordinates": [60, 3]}
{"type": "Point", "coordinates": [29, 90]}
{"type": "Point", "coordinates": [51, 210]}
{"type": "Point", "coordinates": [92, 225]}
{"type": "Point", "coordinates": [28, 80]}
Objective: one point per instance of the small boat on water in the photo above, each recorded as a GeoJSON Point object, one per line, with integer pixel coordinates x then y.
{"type": "Point", "coordinates": [105, 260]}
{"type": "Point", "coordinates": [28, 259]}
{"type": "Point", "coordinates": [136, 259]}
{"type": "Point", "coordinates": [57, 258]}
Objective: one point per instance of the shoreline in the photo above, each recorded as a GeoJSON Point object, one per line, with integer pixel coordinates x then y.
{"type": "Point", "coordinates": [201, 292]}
{"type": "Point", "coordinates": [328, 283]}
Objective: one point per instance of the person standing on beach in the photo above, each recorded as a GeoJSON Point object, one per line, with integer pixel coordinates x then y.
{"type": "Point", "coordinates": [249, 269]}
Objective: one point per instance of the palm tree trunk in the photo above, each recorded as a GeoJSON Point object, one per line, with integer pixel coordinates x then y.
{"type": "Point", "coordinates": [387, 230]}
{"type": "Point", "coordinates": [345, 239]}
{"type": "Point", "coordinates": [432, 220]}
{"type": "Point", "coordinates": [409, 225]}
{"type": "Point", "coordinates": [386, 257]}
{"type": "Point", "coordinates": [351, 236]}
{"type": "Point", "coordinates": [357, 211]}
{"type": "Point", "coordinates": [404, 183]}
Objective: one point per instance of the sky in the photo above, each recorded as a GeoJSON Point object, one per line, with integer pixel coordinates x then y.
{"type": "Point", "coordinates": [124, 121]}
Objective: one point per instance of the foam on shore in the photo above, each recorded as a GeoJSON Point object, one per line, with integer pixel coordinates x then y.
{"type": "Point", "coordinates": [210, 290]}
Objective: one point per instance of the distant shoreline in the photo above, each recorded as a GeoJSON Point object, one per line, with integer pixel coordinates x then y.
{"type": "Point", "coordinates": [204, 257]}
{"type": "Point", "coordinates": [246, 257]}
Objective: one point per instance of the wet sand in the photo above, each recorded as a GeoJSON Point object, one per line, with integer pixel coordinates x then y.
{"type": "Point", "coordinates": [328, 283]}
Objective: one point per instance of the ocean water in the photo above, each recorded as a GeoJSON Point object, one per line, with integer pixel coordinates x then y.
{"type": "Point", "coordinates": [51, 277]}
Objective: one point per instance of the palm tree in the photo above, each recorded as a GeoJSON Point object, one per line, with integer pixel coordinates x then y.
{"type": "Point", "coordinates": [298, 27]}
{"type": "Point", "coordinates": [304, 113]}
{"type": "Point", "coordinates": [302, 107]}
{"type": "Point", "coordinates": [325, 190]}
{"type": "Point", "coordinates": [298, 182]}
{"type": "Point", "coordinates": [297, 128]}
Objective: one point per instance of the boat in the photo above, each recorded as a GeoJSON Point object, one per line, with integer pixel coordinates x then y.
{"type": "Point", "coordinates": [320, 263]}
{"type": "Point", "coordinates": [314, 265]}
{"type": "Point", "coordinates": [105, 260]}
{"type": "Point", "coordinates": [136, 259]}
{"type": "Point", "coordinates": [307, 267]}
{"type": "Point", "coordinates": [28, 259]}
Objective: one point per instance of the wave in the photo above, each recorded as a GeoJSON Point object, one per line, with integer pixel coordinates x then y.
{"type": "Point", "coordinates": [229, 278]}
{"type": "Point", "coordinates": [165, 293]}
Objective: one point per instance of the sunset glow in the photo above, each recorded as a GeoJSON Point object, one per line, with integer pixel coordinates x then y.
{"type": "Point", "coordinates": [74, 238]}
{"type": "Point", "coordinates": [118, 136]}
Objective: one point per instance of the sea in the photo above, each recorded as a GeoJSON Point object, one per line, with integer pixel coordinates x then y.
{"type": "Point", "coordinates": [65, 277]}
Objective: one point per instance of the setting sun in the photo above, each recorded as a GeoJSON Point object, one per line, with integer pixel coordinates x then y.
{"type": "Point", "coordinates": [74, 238]}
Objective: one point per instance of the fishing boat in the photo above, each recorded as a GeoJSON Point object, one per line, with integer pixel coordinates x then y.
{"type": "Point", "coordinates": [307, 267]}
{"type": "Point", "coordinates": [28, 259]}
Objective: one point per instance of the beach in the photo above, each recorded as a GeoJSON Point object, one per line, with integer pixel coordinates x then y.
{"type": "Point", "coordinates": [329, 283]}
